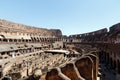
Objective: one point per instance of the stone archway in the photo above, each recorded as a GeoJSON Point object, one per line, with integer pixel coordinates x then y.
{"type": "Point", "coordinates": [118, 66]}
{"type": "Point", "coordinates": [111, 62]}
{"type": "Point", "coordinates": [107, 58]}
{"type": "Point", "coordinates": [114, 64]}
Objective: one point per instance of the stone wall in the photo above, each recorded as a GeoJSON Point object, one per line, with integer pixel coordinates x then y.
{"type": "Point", "coordinates": [20, 28]}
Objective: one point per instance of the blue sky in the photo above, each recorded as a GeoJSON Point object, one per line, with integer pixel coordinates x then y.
{"type": "Point", "coordinates": [71, 16]}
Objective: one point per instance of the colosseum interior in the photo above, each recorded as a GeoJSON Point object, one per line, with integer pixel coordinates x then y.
{"type": "Point", "coordinates": [31, 53]}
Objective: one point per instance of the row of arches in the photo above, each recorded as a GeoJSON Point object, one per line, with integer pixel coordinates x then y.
{"type": "Point", "coordinates": [31, 40]}
{"type": "Point", "coordinates": [110, 60]}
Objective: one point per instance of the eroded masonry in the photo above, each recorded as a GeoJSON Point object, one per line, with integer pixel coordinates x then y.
{"type": "Point", "coordinates": [30, 53]}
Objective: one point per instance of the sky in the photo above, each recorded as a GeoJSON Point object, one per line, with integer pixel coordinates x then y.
{"type": "Point", "coordinates": [70, 16]}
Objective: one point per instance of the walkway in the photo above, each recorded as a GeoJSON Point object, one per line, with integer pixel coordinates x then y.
{"type": "Point", "coordinates": [107, 73]}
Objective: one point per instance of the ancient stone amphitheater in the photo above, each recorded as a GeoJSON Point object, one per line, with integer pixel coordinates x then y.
{"type": "Point", "coordinates": [31, 53]}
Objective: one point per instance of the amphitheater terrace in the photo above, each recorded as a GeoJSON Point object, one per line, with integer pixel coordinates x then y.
{"type": "Point", "coordinates": [31, 53]}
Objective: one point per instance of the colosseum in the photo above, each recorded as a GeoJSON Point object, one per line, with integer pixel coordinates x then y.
{"type": "Point", "coordinates": [31, 53]}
